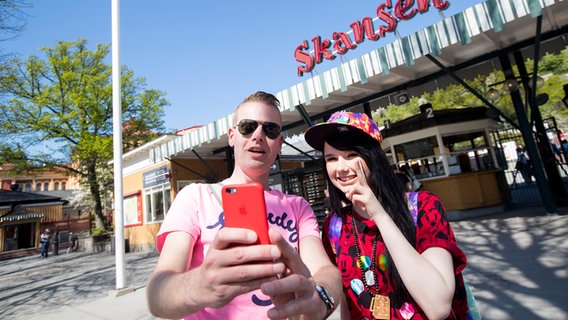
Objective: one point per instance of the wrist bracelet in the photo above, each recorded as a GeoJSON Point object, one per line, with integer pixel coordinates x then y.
{"type": "Point", "coordinates": [326, 297]}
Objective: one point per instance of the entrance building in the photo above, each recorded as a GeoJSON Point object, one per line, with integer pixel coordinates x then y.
{"type": "Point", "coordinates": [475, 41]}
{"type": "Point", "coordinates": [450, 151]}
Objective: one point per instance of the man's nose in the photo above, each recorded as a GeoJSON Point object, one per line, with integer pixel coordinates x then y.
{"type": "Point", "coordinates": [258, 134]}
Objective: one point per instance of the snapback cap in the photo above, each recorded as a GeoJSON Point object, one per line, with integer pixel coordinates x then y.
{"type": "Point", "coordinates": [340, 124]}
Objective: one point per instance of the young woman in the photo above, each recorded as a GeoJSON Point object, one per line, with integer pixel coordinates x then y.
{"type": "Point", "coordinates": [392, 267]}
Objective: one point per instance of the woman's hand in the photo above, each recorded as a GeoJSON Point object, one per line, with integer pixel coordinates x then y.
{"type": "Point", "coordinates": [363, 197]}
{"type": "Point", "coordinates": [293, 295]}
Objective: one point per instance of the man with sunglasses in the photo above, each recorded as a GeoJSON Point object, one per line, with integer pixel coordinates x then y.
{"type": "Point", "coordinates": [207, 271]}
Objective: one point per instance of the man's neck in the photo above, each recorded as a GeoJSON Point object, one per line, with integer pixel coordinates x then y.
{"type": "Point", "coordinates": [239, 177]}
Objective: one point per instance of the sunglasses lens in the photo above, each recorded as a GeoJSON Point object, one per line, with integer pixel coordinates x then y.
{"type": "Point", "coordinates": [271, 129]}
{"type": "Point", "coordinates": [247, 126]}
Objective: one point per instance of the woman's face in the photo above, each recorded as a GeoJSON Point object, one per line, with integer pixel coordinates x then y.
{"type": "Point", "coordinates": [344, 168]}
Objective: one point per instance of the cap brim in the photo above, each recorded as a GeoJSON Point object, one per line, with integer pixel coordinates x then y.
{"type": "Point", "coordinates": [317, 135]}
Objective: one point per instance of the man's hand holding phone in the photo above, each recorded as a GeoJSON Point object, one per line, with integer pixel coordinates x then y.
{"type": "Point", "coordinates": [235, 265]}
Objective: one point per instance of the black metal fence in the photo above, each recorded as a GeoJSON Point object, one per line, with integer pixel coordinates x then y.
{"type": "Point", "coordinates": [526, 193]}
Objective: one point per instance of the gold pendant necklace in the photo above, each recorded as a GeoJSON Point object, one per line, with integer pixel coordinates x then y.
{"type": "Point", "coordinates": [380, 304]}
{"type": "Point", "coordinates": [380, 307]}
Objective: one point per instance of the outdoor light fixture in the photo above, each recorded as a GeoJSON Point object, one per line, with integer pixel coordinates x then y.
{"type": "Point", "coordinates": [401, 98]}
{"type": "Point", "coordinates": [492, 94]}
{"type": "Point", "coordinates": [541, 99]}
{"type": "Point", "coordinates": [511, 85]}
{"type": "Point", "coordinates": [539, 82]}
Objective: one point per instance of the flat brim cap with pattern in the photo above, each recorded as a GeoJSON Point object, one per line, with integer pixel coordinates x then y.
{"type": "Point", "coordinates": [342, 124]}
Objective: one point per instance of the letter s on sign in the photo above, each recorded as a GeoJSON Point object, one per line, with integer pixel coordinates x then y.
{"type": "Point", "coordinates": [303, 57]}
{"type": "Point", "coordinates": [386, 17]}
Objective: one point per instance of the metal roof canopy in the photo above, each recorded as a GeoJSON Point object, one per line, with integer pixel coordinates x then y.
{"type": "Point", "coordinates": [470, 54]}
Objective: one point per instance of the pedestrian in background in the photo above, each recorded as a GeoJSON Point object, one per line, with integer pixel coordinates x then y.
{"type": "Point", "coordinates": [564, 149]}
{"type": "Point", "coordinates": [55, 249]}
{"type": "Point", "coordinates": [403, 178]}
{"type": "Point", "coordinates": [524, 165]}
{"type": "Point", "coordinates": [416, 185]}
{"type": "Point", "coordinates": [44, 242]}
{"type": "Point", "coordinates": [72, 243]}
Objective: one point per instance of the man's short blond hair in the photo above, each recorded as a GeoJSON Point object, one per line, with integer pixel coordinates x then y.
{"type": "Point", "coordinates": [259, 96]}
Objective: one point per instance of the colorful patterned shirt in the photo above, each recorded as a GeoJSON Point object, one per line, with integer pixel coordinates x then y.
{"type": "Point", "coordinates": [432, 230]}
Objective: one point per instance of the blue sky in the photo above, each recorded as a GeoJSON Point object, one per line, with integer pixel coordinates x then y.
{"type": "Point", "coordinates": [207, 55]}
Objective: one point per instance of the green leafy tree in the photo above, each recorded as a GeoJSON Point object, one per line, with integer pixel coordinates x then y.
{"type": "Point", "coordinates": [553, 63]}
{"type": "Point", "coordinates": [59, 111]}
{"type": "Point", "coordinates": [553, 87]}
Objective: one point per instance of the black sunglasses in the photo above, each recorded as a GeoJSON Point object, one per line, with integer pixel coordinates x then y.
{"type": "Point", "coordinates": [247, 126]}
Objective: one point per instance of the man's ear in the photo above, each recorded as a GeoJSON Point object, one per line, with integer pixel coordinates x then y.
{"type": "Point", "coordinates": [231, 136]}
{"type": "Point", "coordinates": [281, 142]}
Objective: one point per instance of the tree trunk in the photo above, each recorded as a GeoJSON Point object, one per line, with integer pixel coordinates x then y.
{"type": "Point", "coordinates": [100, 221]}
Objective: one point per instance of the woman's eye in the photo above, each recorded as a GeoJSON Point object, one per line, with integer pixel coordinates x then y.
{"type": "Point", "coordinates": [352, 155]}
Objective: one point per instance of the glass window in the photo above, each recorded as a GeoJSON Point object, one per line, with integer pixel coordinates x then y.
{"type": "Point", "coordinates": [464, 152]}
{"type": "Point", "coordinates": [46, 186]}
{"type": "Point", "coordinates": [63, 185]}
{"type": "Point", "coordinates": [416, 149]}
{"type": "Point", "coordinates": [56, 186]}
{"type": "Point", "coordinates": [157, 201]}
{"type": "Point", "coordinates": [38, 186]}
{"type": "Point", "coordinates": [468, 152]}
{"type": "Point", "coordinates": [28, 187]}
{"type": "Point", "coordinates": [422, 156]}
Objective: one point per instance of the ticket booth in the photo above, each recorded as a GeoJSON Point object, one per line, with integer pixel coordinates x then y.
{"type": "Point", "coordinates": [451, 153]}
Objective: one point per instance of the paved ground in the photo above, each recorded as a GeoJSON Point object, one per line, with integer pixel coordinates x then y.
{"type": "Point", "coordinates": [517, 267]}
{"type": "Point", "coordinates": [74, 286]}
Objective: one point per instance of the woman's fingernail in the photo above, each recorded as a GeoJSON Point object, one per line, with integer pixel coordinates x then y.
{"type": "Point", "coordinates": [267, 288]}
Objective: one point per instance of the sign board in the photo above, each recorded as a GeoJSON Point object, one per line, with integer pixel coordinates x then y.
{"type": "Point", "coordinates": [389, 14]}
{"type": "Point", "coordinates": [156, 176]}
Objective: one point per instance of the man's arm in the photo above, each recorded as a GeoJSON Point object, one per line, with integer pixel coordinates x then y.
{"type": "Point", "coordinates": [226, 272]}
{"type": "Point", "coordinates": [169, 285]}
{"type": "Point", "coordinates": [324, 272]}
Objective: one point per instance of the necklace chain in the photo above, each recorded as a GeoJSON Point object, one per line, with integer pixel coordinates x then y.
{"type": "Point", "coordinates": [373, 257]}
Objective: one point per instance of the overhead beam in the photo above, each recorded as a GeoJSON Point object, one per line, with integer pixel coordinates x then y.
{"type": "Point", "coordinates": [304, 115]}
{"type": "Point", "coordinates": [300, 151]}
{"type": "Point", "coordinates": [206, 164]}
{"type": "Point", "coordinates": [473, 91]}
{"type": "Point", "coordinates": [186, 168]}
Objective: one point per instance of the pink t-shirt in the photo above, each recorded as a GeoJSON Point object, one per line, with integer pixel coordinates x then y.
{"type": "Point", "coordinates": [196, 211]}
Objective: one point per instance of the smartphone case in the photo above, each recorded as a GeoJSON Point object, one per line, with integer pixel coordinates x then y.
{"type": "Point", "coordinates": [244, 207]}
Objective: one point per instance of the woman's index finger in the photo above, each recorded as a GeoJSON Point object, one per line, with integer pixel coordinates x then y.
{"type": "Point", "coordinates": [361, 174]}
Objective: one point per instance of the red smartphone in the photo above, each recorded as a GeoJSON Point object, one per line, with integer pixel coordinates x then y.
{"type": "Point", "coordinates": [244, 207]}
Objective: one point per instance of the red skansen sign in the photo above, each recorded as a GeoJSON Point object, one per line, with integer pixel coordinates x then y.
{"type": "Point", "coordinates": [387, 13]}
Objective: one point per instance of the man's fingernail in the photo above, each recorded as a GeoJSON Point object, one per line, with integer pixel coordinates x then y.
{"type": "Point", "coordinates": [275, 252]}
{"type": "Point", "coordinates": [251, 236]}
{"type": "Point", "coordinates": [278, 268]}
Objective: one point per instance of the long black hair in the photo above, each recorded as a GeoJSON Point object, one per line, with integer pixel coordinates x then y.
{"type": "Point", "coordinates": [387, 189]}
